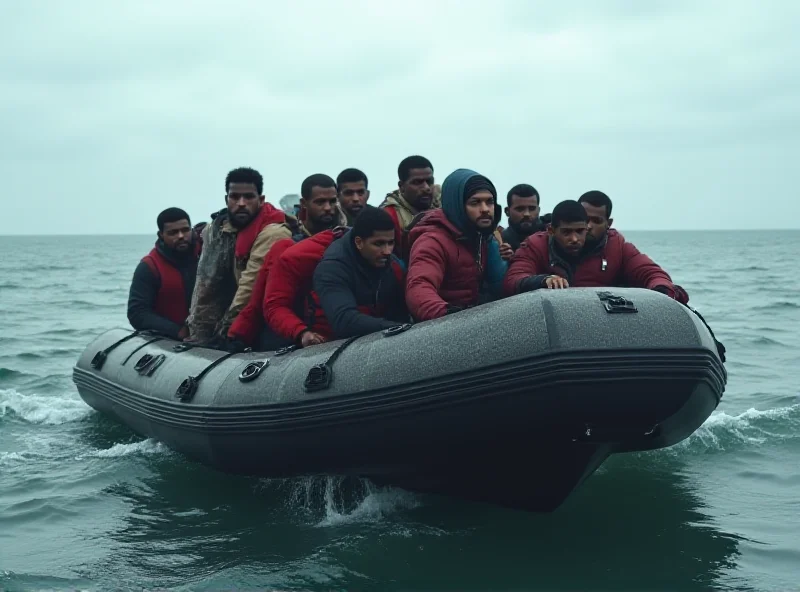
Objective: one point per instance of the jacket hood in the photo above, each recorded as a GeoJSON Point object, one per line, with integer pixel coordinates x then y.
{"type": "Point", "coordinates": [434, 219]}
{"type": "Point", "coordinates": [453, 199]}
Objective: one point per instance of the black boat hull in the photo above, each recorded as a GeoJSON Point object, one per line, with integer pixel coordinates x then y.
{"type": "Point", "coordinates": [514, 403]}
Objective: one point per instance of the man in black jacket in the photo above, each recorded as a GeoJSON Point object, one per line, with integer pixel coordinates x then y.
{"type": "Point", "coordinates": [359, 282]}
{"type": "Point", "coordinates": [162, 285]}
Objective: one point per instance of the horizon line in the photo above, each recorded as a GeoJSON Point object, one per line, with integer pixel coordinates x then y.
{"type": "Point", "coordinates": [628, 230]}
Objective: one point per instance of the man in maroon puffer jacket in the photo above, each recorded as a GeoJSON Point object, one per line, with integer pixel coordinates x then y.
{"type": "Point", "coordinates": [580, 250]}
{"type": "Point", "coordinates": [455, 258]}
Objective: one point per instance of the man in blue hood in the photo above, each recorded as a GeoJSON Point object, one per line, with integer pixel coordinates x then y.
{"type": "Point", "coordinates": [455, 258]}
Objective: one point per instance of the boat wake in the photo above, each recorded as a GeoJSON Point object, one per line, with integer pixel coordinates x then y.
{"type": "Point", "coordinates": [40, 409]}
{"type": "Point", "coordinates": [723, 432]}
{"type": "Point", "coordinates": [147, 447]}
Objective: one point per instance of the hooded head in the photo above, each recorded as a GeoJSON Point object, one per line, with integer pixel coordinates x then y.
{"type": "Point", "coordinates": [469, 201]}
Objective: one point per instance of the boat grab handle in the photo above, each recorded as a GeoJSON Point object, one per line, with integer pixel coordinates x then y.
{"type": "Point", "coordinates": [286, 350]}
{"type": "Point", "coordinates": [100, 357]}
{"type": "Point", "coordinates": [396, 330]}
{"type": "Point", "coordinates": [616, 304]}
{"type": "Point", "coordinates": [321, 375]}
{"type": "Point", "coordinates": [253, 370]}
{"type": "Point", "coordinates": [188, 387]}
{"type": "Point", "coordinates": [146, 343]}
{"type": "Point", "coordinates": [149, 363]}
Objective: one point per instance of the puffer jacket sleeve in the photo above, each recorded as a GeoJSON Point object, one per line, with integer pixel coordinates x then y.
{"type": "Point", "coordinates": [271, 234]}
{"type": "Point", "coordinates": [332, 285]}
{"type": "Point", "coordinates": [249, 322]}
{"type": "Point", "coordinates": [426, 272]}
{"type": "Point", "coordinates": [639, 271]}
{"type": "Point", "coordinates": [280, 297]}
{"type": "Point", "coordinates": [526, 271]}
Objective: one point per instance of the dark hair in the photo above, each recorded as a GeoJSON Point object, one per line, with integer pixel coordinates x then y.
{"type": "Point", "coordinates": [412, 162]}
{"type": "Point", "coordinates": [597, 199]}
{"type": "Point", "coordinates": [315, 180]}
{"type": "Point", "coordinates": [546, 218]}
{"type": "Point", "coordinates": [371, 220]}
{"type": "Point", "coordinates": [171, 215]}
{"type": "Point", "coordinates": [245, 175]}
{"type": "Point", "coordinates": [351, 176]}
{"type": "Point", "coordinates": [522, 190]}
{"type": "Point", "coordinates": [568, 212]}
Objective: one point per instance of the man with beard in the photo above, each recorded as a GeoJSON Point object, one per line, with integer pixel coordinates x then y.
{"type": "Point", "coordinates": [563, 257]}
{"type": "Point", "coordinates": [523, 215]}
{"type": "Point", "coordinates": [359, 281]}
{"type": "Point", "coordinates": [317, 211]}
{"type": "Point", "coordinates": [162, 285]}
{"type": "Point", "coordinates": [455, 258]}
{"type": "Point", "coordinates": [415, 193]}
{"type": "Point", "coordinates": [353, 193]}
{"type": "Point", "coordinates": [598, 212]}
{"type": "Point", "coordinates": [290, 309]}
{"type": "Point", "coordinates": [234, 246]}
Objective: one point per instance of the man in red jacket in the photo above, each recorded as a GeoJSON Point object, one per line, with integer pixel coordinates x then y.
{"type": "Point", "coordinates": [319, 211]}
{"type": "Point", "coordinates": [162, 285]}
{"type": "Point", "coordinates": [455, 257]}
{"type": "Point", "coordinates": [290, 308]}
{"type": "Point", "coordinates": [563, 257]}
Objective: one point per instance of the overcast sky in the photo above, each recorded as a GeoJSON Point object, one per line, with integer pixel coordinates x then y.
{"type": "Point", "coordinates": [686, 113]}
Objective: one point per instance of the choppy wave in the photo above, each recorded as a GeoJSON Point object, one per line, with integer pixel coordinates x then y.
{"type": "Point", "coordinates": [11, 581]}
{"type": "Point", "coordinates": [754, 427]}
{"type": "Point", "coordinates": [9, 374]}
{"type": "Point", "coordinates": [83, 305]}
{"type": "Point", "coordinates": [39, 409]}
{"type": "Point", "coordinates": [147, 447]}
{"type": "Point", "coordinates": [46, 354]}
{"type": "Point", "coordinates": [780, 305]}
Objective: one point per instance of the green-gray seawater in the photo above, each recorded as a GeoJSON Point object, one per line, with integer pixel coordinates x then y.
{"type": "Point", "coordinates": [86, 504]}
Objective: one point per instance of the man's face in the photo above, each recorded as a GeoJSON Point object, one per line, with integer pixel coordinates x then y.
{"type": "Point", "coordinates": [353, 197]}
{"type": "Point", "coordinates": [243, 203]}
{"type": "Point", "coordinates": [523, 213]}
{"type": "Point", "coordinates": [570, 236]}
{"type": "Point", "coordinates": [480, 209]}
{"type": "Point", "coordinates": [418, 188]}
{"type": "Point", "coordinates": [321, 207]}
{"type": "Point", "coordinates": [599, 222]}
{"type": "Point", "coordinates": [377, 249]}
{"type": "Point", "coordinates": [177, 236]}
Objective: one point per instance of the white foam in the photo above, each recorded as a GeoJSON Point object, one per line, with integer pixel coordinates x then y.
{"type": "Point", "coordinates": [9, 458]}
{"type": "Point", "coordinates": [40, 409]}
{"type": "Point", "coordinates": [147, 447]}
{"type": "Point", "coordinates": [377, 504]}
{"type": "Point", "coordinates": [753, 426]}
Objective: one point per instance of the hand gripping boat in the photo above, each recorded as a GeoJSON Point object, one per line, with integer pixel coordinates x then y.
{"type": "Point", "coordinates": [513, 403]}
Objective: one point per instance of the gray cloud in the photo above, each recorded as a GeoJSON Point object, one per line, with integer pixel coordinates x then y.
{"type": "Point", "coordinates": [686, 113]}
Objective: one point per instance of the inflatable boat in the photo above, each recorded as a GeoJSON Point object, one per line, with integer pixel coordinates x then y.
{"type": "Point", "coordinates": [514, 403]}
